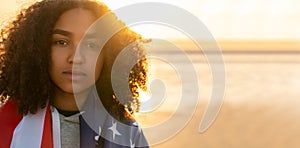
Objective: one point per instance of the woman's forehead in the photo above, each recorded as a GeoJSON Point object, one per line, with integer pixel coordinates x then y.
{"type": "Point", "coordinates": [75, 20]}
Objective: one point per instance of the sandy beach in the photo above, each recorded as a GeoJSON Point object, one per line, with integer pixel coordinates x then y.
{"type": "Point", "coordinates": [261, 50]}
{"type": "Point", "coordinates": [260, 107]}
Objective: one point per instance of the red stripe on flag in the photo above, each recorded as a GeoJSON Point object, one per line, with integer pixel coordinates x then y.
{"type": "Point", "coordinates": [9, 119]}
{"type": "Point", "coordinates": [47, 140]}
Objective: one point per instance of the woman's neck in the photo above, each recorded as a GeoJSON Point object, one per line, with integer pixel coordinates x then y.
{"type": "Point", "coordinates": [66, 101]}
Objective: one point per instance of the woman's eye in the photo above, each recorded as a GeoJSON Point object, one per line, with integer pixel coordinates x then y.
{"type": "Point", "coordinates": [92, 45]}
{"type": "Point", "coordinates": [61, 42]}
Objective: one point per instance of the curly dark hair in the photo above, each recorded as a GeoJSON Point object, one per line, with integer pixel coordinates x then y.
{"type": "Point", "coordinates": [25, 54]}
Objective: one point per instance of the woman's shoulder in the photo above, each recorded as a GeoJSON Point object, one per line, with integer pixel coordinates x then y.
{"type": "Point", "coordinates": [123, 117]}
{"type": "Point", "coordinates": [9, 111]}
{"type": "Point", "coordinates": [9, 119]}
{"type": "Point", "coordinates": [126, 132]}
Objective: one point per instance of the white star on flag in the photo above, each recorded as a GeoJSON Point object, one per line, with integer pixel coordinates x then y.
{"type": "Point", "coordinates": [114, 130]}
{"type": "Point", "coordinates": [131, 144]}
{"type": "Point", "coordinates": [99, 134]}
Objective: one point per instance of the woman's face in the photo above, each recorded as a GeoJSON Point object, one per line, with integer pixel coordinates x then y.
{"type": "Point", "coordinates": [70, 72]}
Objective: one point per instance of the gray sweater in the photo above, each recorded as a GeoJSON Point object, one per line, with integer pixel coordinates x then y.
{"type": "Point", "coordinates": [69, 131]}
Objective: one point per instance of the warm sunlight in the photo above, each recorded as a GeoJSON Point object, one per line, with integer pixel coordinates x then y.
{"type": "Point", "coordinates": [271, 19]}
{"type": "Point", "coordinates": [143, 95]}
{"type": "Point", "coordinates": [258, 69]}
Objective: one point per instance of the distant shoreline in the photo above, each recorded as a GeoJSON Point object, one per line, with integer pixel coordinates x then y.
{"type": "Point", "coordinates": [243, 45]}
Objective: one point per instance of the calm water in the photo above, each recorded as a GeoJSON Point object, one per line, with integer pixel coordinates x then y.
{"type": "Point", "coordinates": [275, 76]}
{"type": "Point", "coordinates": [260, 108]}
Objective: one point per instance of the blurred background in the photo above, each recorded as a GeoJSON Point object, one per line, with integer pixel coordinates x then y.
{"type": "Point", "coordinates": [260, 45]}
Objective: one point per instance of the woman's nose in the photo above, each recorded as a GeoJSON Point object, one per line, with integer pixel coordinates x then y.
{"type": "Point", "coordinates": [76, 56]}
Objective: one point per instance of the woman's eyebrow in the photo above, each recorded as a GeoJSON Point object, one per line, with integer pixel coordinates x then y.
{"type": "Point", "coordinates": [91, 35]}
{"type": "Point", "coordinates": [62, 32]}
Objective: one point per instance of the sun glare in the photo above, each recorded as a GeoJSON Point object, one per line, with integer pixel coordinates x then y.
{"type": "Point", "coordinates": [143, 95]}
{"type": "Point", "coordinates": [229, 19]}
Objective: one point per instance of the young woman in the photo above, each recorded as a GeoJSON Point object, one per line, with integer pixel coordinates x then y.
{"type": "Point", "coordinates": [54, 69]}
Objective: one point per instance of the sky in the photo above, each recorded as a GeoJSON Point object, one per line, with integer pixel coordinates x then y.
{"type": "Point", "coordinates": [225, 19]}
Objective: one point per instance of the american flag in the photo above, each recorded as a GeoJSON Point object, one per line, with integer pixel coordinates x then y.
{"type": "Point", "coordinates": [97, 128]}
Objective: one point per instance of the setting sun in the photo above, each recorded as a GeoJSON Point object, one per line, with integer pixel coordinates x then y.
{"type": "Point", "coordinates": [249, 91]}
{"type": "Point", "coordinates": [229, 19]}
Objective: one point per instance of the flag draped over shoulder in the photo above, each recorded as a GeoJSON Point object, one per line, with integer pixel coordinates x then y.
{"type": "Point", "coordinates": [97, 129]}
{"type": "Point", "coordinates": [25, 131]}
{"type": "Point", "coordinates": [9, 119]}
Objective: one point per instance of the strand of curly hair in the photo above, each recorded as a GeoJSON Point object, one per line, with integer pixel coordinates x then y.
{"type": "Point", "coordinates": [25, 46]}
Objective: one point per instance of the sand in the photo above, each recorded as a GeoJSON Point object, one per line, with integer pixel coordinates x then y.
{"type": "Point", "coordinates": [260, 108]}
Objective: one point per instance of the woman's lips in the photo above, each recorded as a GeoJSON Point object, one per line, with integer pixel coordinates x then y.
{"type": "Point", "coordinates": [74, 74]}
